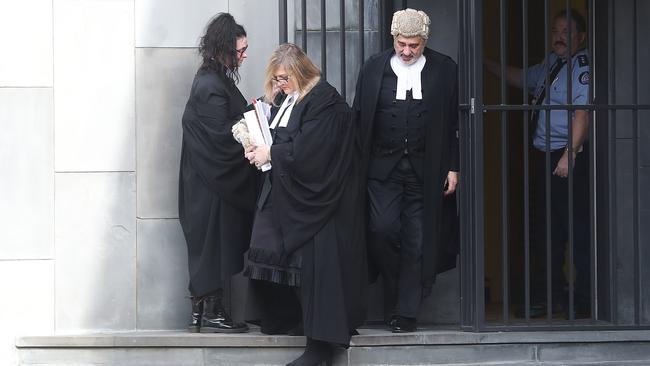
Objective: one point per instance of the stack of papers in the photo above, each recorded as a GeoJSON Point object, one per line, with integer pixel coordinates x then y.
{"type": "Point", "coordinates": [258, 127]}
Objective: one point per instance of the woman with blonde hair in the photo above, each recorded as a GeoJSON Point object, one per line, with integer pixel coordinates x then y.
{"type": "Point", "coordinates": [307, 259]}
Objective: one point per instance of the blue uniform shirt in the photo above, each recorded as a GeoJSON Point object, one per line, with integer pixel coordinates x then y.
{"type": "Point", "coordinates": [558, 96]}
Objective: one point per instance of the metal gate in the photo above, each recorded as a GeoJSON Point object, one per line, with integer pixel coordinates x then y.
{"type": "Point", "coordinates": [619, 134]}
{"type": "Point", "coordinates": [496, 261]}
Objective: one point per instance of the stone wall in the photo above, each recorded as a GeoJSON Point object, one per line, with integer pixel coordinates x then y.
{"type": "Point", "coordinates": [91, 96]}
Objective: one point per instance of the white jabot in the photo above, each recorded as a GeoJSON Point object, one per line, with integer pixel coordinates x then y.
{"type": "Point", "coordinates": [282, 117]}
{"type": "Point", "coordinates": [408, 76]}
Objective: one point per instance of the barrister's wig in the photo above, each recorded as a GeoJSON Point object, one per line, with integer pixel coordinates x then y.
{"type": "Point", "coordinates": [410, 23]}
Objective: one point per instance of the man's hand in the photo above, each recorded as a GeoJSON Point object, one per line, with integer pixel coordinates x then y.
{"type": "Point", "coordinates": [562, 168]}
{"type": "Point", "coordinates": [451, 183]}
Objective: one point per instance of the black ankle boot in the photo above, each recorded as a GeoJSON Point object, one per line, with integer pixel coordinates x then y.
{"type": "Point", "coordinates": [215, 319]}
{"type": "Point", "coordinates": [317, 353]}
{"type": "Point", "coordinates": [197, 311]}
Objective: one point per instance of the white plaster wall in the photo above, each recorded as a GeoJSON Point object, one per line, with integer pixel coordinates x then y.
{"type": "Point", "coordinates": [94, 85]}
{"type": "Point", "coordinates": [26, 39]}
{"type": "Point", "coordinates": [162, 295]}
{"type": "Point", "coordinates": [163, 78]}
{"type": "Point", "coordinates": [174, 23]}
{"type": "Point", "coordinates": [27, 306]}
{"type": "Point", "coordinates": [95, 252]}
{"type": "Point", "coordinates": [263, 38]}
{"type": "Point", "coordinates": [27, 186]}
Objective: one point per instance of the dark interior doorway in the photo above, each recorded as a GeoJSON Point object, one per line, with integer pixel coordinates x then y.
{"type": "Point", "coordinates": [509, 176]}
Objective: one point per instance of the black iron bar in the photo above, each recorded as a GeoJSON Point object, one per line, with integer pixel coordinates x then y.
{"type": "Point", "coordinates": [587, 107]}
{"type": "Point", "coordinates": [342, 47]}
{"type": "Point", "coordinates": [382, 25]}
{"type": "Point", "coordinates": [635, 169]}
{"type": "Point", "coordinates": [303, 9]}
{"type": "Point", "coordinates": [282, 11]}
{"type": "Point", "coordinates": [323, 39]}
{"type": "Point", "coordinates": [612, 176]}
{"type": "Point", "coordinates": [592, 167]}
{"type": "Point", "coordinates": [569, 101]}
{"type": "Point", "coordinates": [547, 175]}
{"type": "Point", "coordinates": [476, 26]}
{"type": "Point", "coordinates": [504, 165]}
{"type": "Point", "coordinates": [526, 138]}
{"type": "Point", "coordinates": [361, 33]}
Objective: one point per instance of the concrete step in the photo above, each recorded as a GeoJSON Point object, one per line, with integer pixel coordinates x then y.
{"type": "Point", "coordinates": [432, 346]}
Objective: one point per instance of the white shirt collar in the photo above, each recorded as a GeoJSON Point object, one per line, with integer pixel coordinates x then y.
{"type": "Point", "coordinates": [282, 117]}
{"type": "Point", "coordinates": [408, 76]}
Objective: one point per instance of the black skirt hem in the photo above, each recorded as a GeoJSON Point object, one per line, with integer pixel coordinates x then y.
{"type": "Point", "coordinates": [275, 275]}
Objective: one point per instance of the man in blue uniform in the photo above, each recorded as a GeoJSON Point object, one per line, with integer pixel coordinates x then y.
{"type": "Point", "coordinates": [556, 141]}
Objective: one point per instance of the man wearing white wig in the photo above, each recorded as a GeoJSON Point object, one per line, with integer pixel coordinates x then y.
{"type": "Point", "coordinates": [406, 105]}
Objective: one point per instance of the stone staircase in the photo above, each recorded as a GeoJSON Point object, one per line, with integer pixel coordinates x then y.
{"type": "Point", "coordinates": [433, 346]}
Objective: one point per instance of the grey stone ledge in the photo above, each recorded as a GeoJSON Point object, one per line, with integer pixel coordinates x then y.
{"type": "Point", "coordinates": [367, 338]}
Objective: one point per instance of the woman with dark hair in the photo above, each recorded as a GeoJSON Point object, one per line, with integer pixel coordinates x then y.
{"type": "Point", "coordinates": [217, 188]}
{"type": "Point", "coordinates": [307, 259]}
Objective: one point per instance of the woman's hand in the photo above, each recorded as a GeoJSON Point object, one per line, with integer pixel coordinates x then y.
{"type": "Point", "coordinates": [258, 155]}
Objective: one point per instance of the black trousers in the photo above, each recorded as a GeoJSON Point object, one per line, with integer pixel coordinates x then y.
{"type": "Point", "coordinates": [281, 309]}
{"type": "Point", "coordinates": [395, 245]}
{"type": "Point", "coordinates": [559, 221]}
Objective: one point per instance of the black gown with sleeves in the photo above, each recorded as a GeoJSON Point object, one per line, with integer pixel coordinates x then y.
{"type": "Point", "coordinates": [308, 231]}
{"type": "Point", "coordinates": [217, 187]}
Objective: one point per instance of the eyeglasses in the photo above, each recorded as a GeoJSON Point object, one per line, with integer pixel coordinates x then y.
{"type": "Point", "coordinates": [281, 79]}
{"type": "Point", "coordinates": [242, 50]}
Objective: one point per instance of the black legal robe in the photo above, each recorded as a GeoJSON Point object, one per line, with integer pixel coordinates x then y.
{"type": "Point", "coordinates": [440, 97]}
{"type": "Point", "coordinates": [217, 186]}
{"type": "Point", "coordinates": [317, 203]}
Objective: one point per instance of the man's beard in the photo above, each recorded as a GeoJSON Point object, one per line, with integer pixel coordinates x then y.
{"type": "Point", "coordinates": [410, 61]}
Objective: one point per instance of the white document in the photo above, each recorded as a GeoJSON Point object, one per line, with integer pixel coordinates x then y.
{"type": "Point", "coordinates": [258, 127]}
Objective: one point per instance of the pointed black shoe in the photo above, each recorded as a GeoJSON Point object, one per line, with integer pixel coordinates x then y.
{"type": "Point", "coordinates": [317, 353]}
{"type": "Point", "coordinates": [404, 325]}
{"type": "Point", "coordinates": [392, 322]}
{"type": "Point", "coordinates": [197, 311]}
{"type": "Point", "coordinates": [215, 319]}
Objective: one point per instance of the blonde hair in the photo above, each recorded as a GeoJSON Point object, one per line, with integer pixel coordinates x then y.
{"type": "Point", "coordinates": [299, 67]}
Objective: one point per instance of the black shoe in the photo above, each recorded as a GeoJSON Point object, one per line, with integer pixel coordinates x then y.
{"type": "Point", "coordinates": [317, 353]}
{"type": "Point", "coordinates": [197, 311]}
{"type": "Point", "coordinates": [391, 322]}
{"type": "Point", "coordinates": [404, 325]}
{"type": "Point", "coordinates": [297, 331]}
{"type": "Point", "coordinates": [215, 319]}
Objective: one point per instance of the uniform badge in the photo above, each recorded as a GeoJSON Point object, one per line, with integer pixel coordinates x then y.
{"type": "Point", "coordinates": [584, 78]}
{"type": "Point", "coordinates": [582, 60]}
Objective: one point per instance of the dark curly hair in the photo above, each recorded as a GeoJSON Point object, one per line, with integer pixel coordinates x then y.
{"type": "Point", "coordinates": [218, 47]}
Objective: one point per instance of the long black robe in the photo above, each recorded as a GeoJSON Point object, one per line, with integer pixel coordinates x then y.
{"type": "Point", "coordinates": [440, 96]}
{"type": "Point", "coordinates": [217, 187]}
{"type": "Point", "coordinates": [317, 204]}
